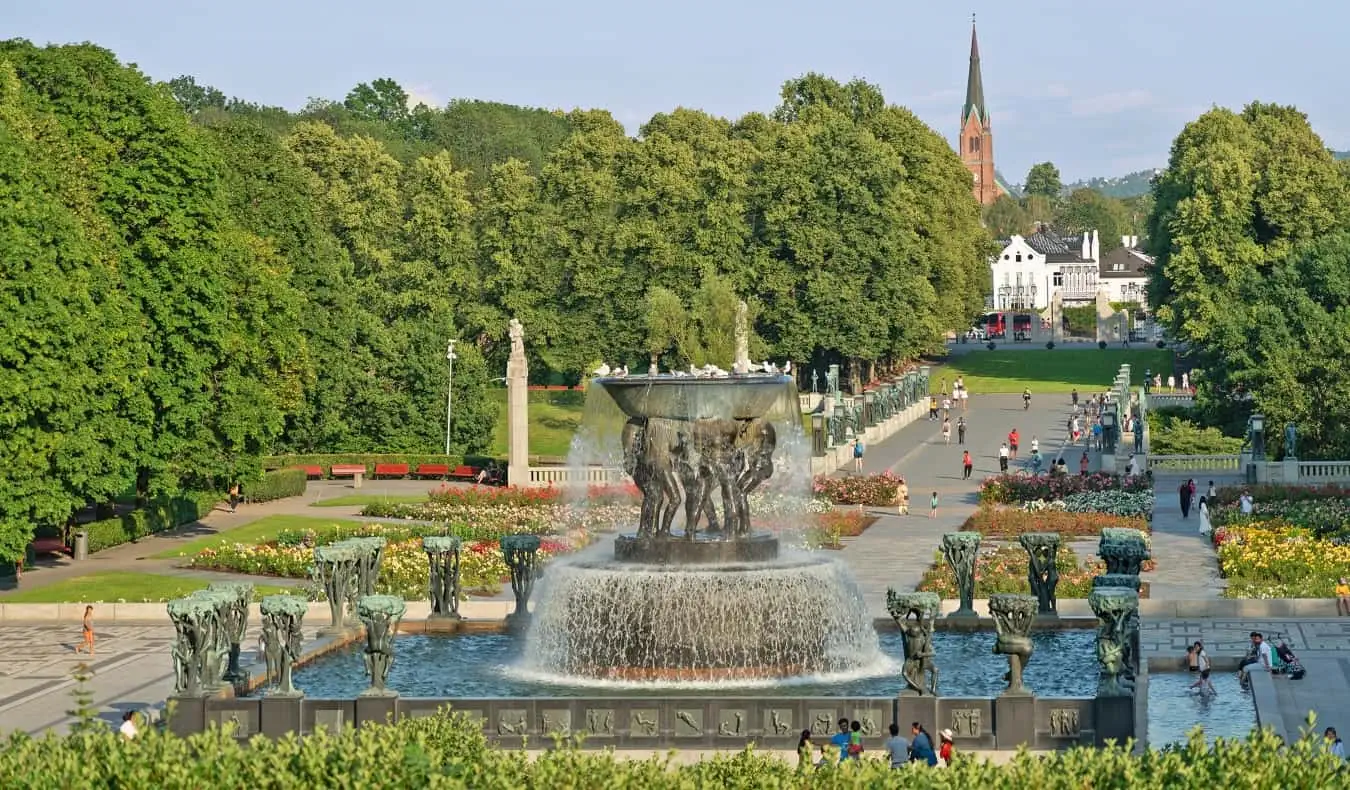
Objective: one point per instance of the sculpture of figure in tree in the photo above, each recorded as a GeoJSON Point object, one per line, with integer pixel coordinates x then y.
{"type": "Point", "coordinates": [1042, 574]}
{"type": "Point", "coordinates": [1013, 616]}
{"type": "Point", "coordinates": [960, 550]}
{"type": "Point", "coordinates": [282, 616]}
{"type": "Point", "coordinates": [915, 613]}
{"type": "Point", "coordinates": [381, 615]}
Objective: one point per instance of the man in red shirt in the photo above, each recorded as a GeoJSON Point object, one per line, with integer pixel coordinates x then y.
{"type": "Point", "coordinates": [1012, 444]}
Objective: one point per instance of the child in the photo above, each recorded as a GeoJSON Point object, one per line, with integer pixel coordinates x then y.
{"type": "Point", "coordinates": [932, 513]}
{"type": "Point", "coordinates": [947, 431]}
{"type": "Point", "coordinates": [902, 497]}
{"type": "Point", "coordinates": [855, 744]}
{"type": "Point", "coordinates": [966, 465]}
{"type": "Point", "coordinates": [87, 632]}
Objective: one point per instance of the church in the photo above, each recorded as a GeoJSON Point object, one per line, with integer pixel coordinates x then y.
{"type": "Point", "coordinates": [975, 142]}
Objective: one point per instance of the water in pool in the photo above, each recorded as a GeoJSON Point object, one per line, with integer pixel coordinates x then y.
{"type": "Point", "coordinates": [1174, 709]}
{"type": "Point", "coordinates": [485, 665]}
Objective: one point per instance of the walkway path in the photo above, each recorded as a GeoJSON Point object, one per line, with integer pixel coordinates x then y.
{"type": "Point", "coordinates": [1188, 568]}
{"type": "Point", "coordinates": [895, 551]}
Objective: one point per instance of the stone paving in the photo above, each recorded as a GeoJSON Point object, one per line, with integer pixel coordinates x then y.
{"type": "Point", "coordinates": [896, 550]}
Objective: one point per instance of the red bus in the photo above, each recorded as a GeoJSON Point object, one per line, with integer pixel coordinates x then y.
{"type": "Point", "coordinates": [995, 325]}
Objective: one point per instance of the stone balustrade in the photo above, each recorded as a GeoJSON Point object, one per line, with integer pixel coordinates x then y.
{"type": "Point", "coordinates": [1194, 463]}
{"type": "Point", "coordinates": [574, 475]}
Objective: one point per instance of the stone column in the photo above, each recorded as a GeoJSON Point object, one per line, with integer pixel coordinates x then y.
{"type": "Point", "coordinates": [443, 557]}
{"type": "Point", "coordinates": [517, 410]}
{"type": "Point", "coordinates": [960, 550]}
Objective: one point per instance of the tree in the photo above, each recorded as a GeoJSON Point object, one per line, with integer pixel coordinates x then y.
{"type": "Point", "coordinates": [1087, 210]}
{"type": "Point", "coordinates": [193, 97]}
{"type": "Point", "coordinates": [1005, 217]}
{"type": "Point", "coordinates": [382, 100]}
{"type": "Point", "coordinates": [1242, 197]}
{"type": "Point", "coordinates": [667, 325]}
{"type": "Point", "coordinates": [1043, 180]}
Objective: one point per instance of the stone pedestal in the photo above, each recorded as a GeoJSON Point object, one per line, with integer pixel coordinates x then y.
{"type": "Point", "coordinates": [1289, 467]}
{"type": "Point", "coordinates": [1108, 462]}
{"type": "Point", "coordinates": [376, 709]}
{"type": "Point", "coordinates": [1114, 717]}
{"type": "Point", "coordinates": [280, 715]}
{"type": "Point", "coordinates": [189, 715]}
{"type": "Point", "coordinates": [910, 707]}
{"type": "Point", "coordinates": [517, 410]}
{"type": "Point", "coordinates": [1015, 720]}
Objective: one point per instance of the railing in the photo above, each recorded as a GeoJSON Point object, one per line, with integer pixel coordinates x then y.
{"type": "Point", "coordinates": [1177, 400]}
{"type": "Point", "coordinates": [809, 400]}
{"type": "Point", "coordinates": [566, 475]}
{"type": "Point", "coordinates": [1323, 471]}
{"type": "Point", "coordinates": [1194, 463]}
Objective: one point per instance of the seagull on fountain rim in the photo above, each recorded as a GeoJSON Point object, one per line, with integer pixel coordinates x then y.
{"type": "Point", "coordinates": [603, 370]}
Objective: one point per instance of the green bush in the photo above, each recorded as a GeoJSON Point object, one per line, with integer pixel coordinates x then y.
{"type": "Point", "coordinates": [443, 751]}
{"type": "Point", "coordinates": [413, 460]}
{"type": "Point", "coordinates": [1177, 431]}
{"type": "Point", "coordinates": [157, 516]}
{"type": "Point", "coordinates": [277, 484]}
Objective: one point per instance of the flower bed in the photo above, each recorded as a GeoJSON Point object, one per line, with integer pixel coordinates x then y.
{"type": "Point", "coordinates": [1280, 493]}
{"type": "Point", "coordinates": [404, 570]}
{"type": "Point", "coordinates": [1012, 489]}
{"type": "Point", "coordinates": [879, 490]}
{"type": "Point", "coordinates": [1325, 517]}
{"type": "Point", "coordinates": [1275, 559]}
{"type": "Point", "coordinates": [1006, 522]}
{"type": "Point", "coordinates": [827, 529]}
{"type": "Point", "coordinates": [1003, 569]}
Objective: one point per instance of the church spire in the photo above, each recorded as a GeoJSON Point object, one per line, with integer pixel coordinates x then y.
{"type": "Point", "coordinates": [974, 84]}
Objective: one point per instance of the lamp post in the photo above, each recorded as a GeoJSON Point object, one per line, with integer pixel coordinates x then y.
{"type": "Point", "coordinates": [449, 393]}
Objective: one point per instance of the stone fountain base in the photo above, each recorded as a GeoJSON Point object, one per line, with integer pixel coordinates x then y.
{"type": "Point", "coordinates": [702, 549]}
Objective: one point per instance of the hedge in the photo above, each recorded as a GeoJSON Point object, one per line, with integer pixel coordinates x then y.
{"type": "Point", "coordinates": [277, 484]}
{"type": "Point", "coordinates": [440, 751]}
{"type": "Point", "coordinates": [157, 516]}
{"type": "Point", "coordinates": [413, 460]}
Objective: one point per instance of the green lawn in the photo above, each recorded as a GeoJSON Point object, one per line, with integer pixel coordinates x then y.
{"type": "Point", "coordinates": [370, 499]}
{"type": "Point", "coordinates": [1044, 370]}
{"type": "Point", "coordinates": [262, 530]}
{"type": "Point", "coordinates": [554, 417]}
{"type": "Point", "coordinates": [117, 586]}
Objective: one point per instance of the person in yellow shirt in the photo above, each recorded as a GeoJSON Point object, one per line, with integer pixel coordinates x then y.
{"type": "Point", "coordinates": [1343, 598]}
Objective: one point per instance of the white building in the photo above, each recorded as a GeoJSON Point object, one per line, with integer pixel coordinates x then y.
{"type": "Point", "coordinates": [1029, 270]}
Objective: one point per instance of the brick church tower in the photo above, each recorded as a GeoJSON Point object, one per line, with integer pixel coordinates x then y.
{"type": "Point", "coordinates": [976, 143]}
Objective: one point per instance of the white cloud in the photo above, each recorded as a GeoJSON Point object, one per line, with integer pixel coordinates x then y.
{"type": "Point", "coordinates": [422, 94]}
{"type": "Point", "coordinates": [1110, 103]}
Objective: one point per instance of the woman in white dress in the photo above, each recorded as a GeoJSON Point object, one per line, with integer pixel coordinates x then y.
{"type": "Point", "coordinates": [1205, 528]}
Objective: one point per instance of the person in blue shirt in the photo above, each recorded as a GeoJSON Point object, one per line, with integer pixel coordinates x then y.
{"type": "Point", "coordinates": [921, 745]}
{"type": "Point", "coordinates": [841, 739]}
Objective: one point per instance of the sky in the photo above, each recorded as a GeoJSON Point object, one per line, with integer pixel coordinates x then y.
{"type": "Point", "coordinates": [1100, 89]}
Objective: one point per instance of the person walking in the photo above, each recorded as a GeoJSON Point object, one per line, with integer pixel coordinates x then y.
{"type": "Point", "coordinates": [921, 745]}
{"type": "Point", "coordinates": [932, 506]}
{"type": "Point", "coordinates": [1185, 382]}
{"type": "Point", "coordinates": [1342, 598]}
{"type": "Point", "coordinates": [1185, 493]}
{"type": "Point", "coordinates": [128, 728]}
{"type": "Point", "coordinates": [897, 748]}
{"type": "Point", "coordinates": [1201, 665]}
{"type": "Point", "coordinates": [1013, 439]}
{"type": "Point", "coordinates": [965, 398]}
{"type": "Point", "coordinates": [1205, 528]}
{"type": "Point", "coordinates": [857, 455]}
{"type": "Point", "coordinates": [804, 752]}
{"type": "Point", "coordinates": [1334, 744]}
{"type": "Point", "coordinates": [902, 497]}
{"type": "Point", "coordinates": [1003, 458]}
{"type": "Point", "coordinates": [947, 748]}
{"type": "Point", "coordinates": [960, 430]}
{"type": "Point", "coordinates": [235, 498]}
{"type": "Point", "coordinates": [1074, 396]}
{"type": "Point", "coordinates": [1036, 462]}
{"type": "Point", "coordinates": [947, 431]}
{"type": "Point", "coordinates": [1083, 464]}
{"type": "Point", "coordinates": [1171, 383]}
{"type": "Point", "coordinates": [1035, 445]}
{"type": "Point", "coordinates": [967, 465]}
{"type": "Point", "coordinates": [932, 408]}
{"type": "Point", "coordinates": [1097, 435]}
{"type": "Point", "coordinates": [87, 631]}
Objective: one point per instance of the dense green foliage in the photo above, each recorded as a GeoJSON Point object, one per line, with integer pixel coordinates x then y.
{"type": "Point", "coordinates": [1251, 230]}
{"type": "Point", "coordinates": [191, 282]}
{"type": "Point", "coordinates": [1174, 431]}
{"type": "Point", "coordinates": [442, 751]}
{"type": "Point", "coordinates": [277, 484]}
{"type": "Point", "coordinates": [155, 516]}
{"type": "Point", "coordinates": [1081, 210]}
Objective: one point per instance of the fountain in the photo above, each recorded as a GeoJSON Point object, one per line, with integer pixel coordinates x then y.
{"type": "Point", "coordinates": [695, 594]}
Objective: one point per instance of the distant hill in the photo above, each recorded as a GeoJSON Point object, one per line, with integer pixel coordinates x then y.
{"type": "Point", "coordinates": [1341, 154]}
{"type": "Point", "coordinates": [1126, 186]}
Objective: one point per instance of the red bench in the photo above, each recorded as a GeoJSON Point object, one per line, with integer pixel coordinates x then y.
{"type": "Point", "coordinates": [49, 546]}
{"type": "Point", "coordinates": [432, 470]}
{"type": "Point", "coordinates": [463, 472]}
{"type": "Point", "coordinates": [347, 470]}
{"type": "Point", "coordinates": [391, 470]}
{"type": "Point", "coordinates": [314, 472]}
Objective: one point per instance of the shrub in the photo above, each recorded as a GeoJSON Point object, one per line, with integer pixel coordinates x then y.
{"type": "Point", "coordinates": [879, 490]}
{"type": "Point", "coordinates": [1160, 344]}
{"type": "Point", "coordinates": [1101, 344]}
{"type": "Point", "coordinates": [990, 345]}
{"type": "Point", "coordinates": [413, 460]}
{"type": "Point", "coordinates": [1003, 522]}
{"type": "Point", "coordinates": [156, 516]}
{"type": "Point", "coordinates": [450, 750]}
{"type": "Point", "coordinates": [1050, 344]}
{"type": "Point", "coordinates": [277, 484]}
{"type": "Point", "coordinates": [1011, 488]}
{"type": "Point", "coordinates": [1115, 503]}
{"type": "Point", "coordinates": [1178, 432]}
